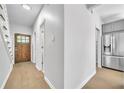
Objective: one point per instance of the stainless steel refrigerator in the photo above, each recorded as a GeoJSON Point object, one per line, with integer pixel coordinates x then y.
{"type": "Point", "coordinates": [113, 50]}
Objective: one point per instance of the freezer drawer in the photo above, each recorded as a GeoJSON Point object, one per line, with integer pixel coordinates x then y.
{"type": "Point", "coordinates": [113, 62]}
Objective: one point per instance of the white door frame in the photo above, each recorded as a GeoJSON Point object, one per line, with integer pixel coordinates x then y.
{"type": "Point", "coordinates": [34, 47]}
{"type": "Point", "coordinates": [42, 29]}
{"type": "Point", "coordinates": [98, 39]}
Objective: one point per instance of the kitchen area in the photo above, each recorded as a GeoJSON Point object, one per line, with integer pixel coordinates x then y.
{"type": "Point", "coordinates": [113, 45]}
{"type": "Point", "coordinates": [109, 48]}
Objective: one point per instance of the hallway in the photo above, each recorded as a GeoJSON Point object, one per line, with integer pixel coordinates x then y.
{"type": "Point", "coordinates": [25, 76]}
{"type": "Point", "coordinates": [106, 79]}
{"type": "Point", "coordinates": [43, 46]}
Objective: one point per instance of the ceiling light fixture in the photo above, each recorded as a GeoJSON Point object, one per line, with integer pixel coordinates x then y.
{"type": "Point", "coordinates": [26, 6]}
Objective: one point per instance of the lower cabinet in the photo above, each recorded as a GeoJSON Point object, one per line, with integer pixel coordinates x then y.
{"type": "Point", "coordinates": [113, 62]}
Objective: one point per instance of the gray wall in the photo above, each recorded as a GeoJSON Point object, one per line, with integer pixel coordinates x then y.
{"type": "Point", "coordinates": [5, 63]}
{"type": "Point", "coordinates": [54, 49]}
{"type": "Point", "coordinates": [80, 45]}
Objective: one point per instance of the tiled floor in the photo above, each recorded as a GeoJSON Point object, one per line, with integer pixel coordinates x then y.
{"type": "Point", "coordinates": [106, 79]}
{"type": "Point", "coordinates": [26, 76]}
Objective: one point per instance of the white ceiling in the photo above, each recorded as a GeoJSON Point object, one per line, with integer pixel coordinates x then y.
{"type": "Point", "coordinates": [110, 12]}
{"type": "Point", "coordinates": [18, 15]}
{"type": "Point", "coordinates": [90, 6]}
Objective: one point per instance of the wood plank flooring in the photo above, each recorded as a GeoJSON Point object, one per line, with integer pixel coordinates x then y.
{"type": "Point", "coordinates": [106, 79]}
{"type": "Point", "coordinates": [25, 76]}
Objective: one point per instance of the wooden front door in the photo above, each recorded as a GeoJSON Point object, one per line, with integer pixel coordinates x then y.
{"type": "Point", "coordinates": [22, 48]}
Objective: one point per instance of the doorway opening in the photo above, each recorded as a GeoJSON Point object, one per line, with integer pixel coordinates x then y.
{"type": "Point", "coordinates": [97, 46]}
{"type": "Point", "coordinates": [22, 48]}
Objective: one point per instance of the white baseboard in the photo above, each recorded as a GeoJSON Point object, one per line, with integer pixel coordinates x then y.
{"type": "Point", "coordinates": [5, 80]}
{"type": "Point", "coordinates": [43, 72]}
{"type": "Point", "coordinates": [85, 81]}
{"type": "Point", "coordinates": [49, 83]}
{"type": "Point", "coordinates": [39, 69]}
{"type": "Point", "coordinates": [33, 62]}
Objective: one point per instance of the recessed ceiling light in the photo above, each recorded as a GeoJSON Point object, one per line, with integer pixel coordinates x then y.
{"type": "Point", "coordinates": [26, 6]}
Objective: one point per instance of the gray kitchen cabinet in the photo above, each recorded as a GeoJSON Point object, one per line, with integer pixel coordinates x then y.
{"type": "Point", "coordinates": [121, 64]}
{"type": "Point", "coordinates": [107, 28]}
{"type": "Point", "coordinates": [113, 26]}
{"type": "Point", "coordinates": [110, 62]}
{"type": "Point", "coordinates": [113, 62]}
{"type": "Point", "coordinates": [118, 25]}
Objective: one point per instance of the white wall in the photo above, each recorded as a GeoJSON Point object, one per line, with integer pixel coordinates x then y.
{"type": "Point", "coordinates": [16, 28]}
{"type": "Point", "coordinates": [54, 50]}
{"type": "Point", "coordinates": [97, 21]}
{"type": "Point", "coordinates": [80, 46]}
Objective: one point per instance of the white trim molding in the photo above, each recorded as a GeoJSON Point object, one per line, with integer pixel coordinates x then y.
{"type": "Point", "coordinates": [49, 83]}
{"type": "Point", "coordinates": [86, 80]}
{"type": "Point", "coordinates": [38, 68]}
{"type": "Point", "coordinates": [7, 76]}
